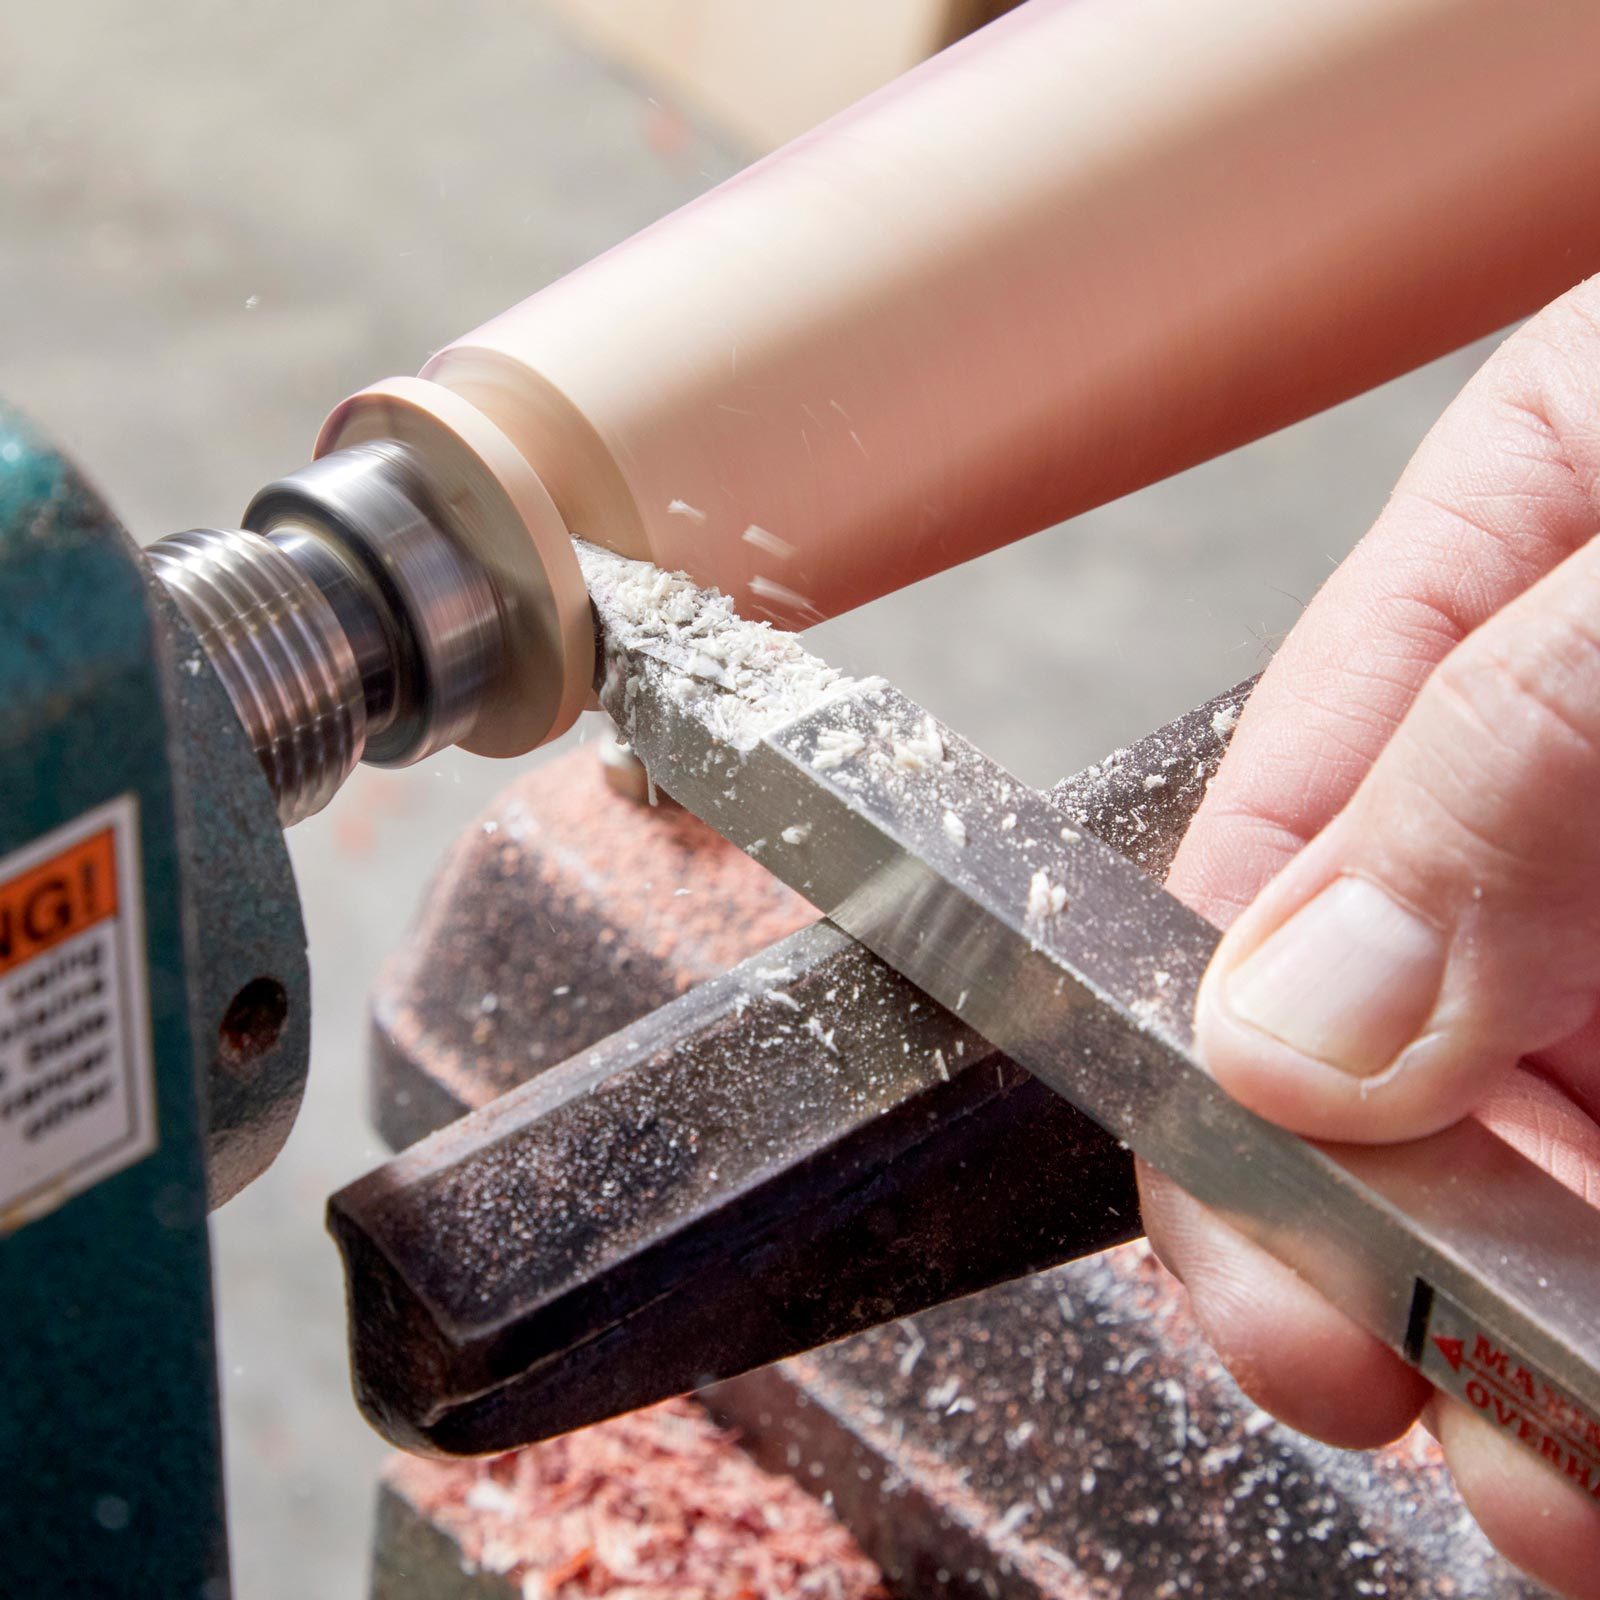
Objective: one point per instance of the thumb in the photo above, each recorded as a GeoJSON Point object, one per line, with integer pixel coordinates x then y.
{"type": "Point", "coordinates": [1447, 921]}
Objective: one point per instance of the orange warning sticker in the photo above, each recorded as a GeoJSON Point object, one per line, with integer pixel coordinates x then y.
{"type": "Point", "coordinates": [77, 1090]}
{"type": "Point", "coordinates": [54, 902]}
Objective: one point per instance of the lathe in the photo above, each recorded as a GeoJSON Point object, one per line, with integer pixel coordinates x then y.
{"type": "Point", "coordinates": [853, 1026]}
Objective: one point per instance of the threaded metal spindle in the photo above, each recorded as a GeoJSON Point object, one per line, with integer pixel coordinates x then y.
{"type": "Point", "coordinates": [281, 654]}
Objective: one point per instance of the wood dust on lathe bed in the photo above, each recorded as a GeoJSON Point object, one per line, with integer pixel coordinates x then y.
{"type": "Point", "coordinates": [659, 1505]}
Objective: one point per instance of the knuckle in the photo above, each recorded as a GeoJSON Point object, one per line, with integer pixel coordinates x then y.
{"type": "Point", "coordinates": [1503, 744]}
{"type": "Point", "coordinates": [1535, 683]}
{"type": "Point", "coordinates": [1565, 331]}
{"type": "Point", "coordinates": [1575, 312]}
{"type": "Point", "coordinates": [1546, 378]}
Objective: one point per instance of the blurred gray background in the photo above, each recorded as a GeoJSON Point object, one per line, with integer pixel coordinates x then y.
{"type": "Point", "coordinates": [218, 220]}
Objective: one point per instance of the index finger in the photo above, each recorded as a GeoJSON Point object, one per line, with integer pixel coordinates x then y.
{"type": "Point", "coordinates": [1504, 487]}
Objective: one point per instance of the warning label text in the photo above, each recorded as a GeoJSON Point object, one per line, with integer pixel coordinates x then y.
{"type": "Point", "coordinates": [76, 1100]}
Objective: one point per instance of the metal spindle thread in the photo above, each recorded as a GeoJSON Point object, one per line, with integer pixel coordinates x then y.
{"type": "Point", "coordinates": [281, 653]}
{"type": "Point", "coordinates": [349, 620]}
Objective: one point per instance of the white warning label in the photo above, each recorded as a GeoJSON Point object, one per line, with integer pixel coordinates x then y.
{"type": "Point", "coordinates": [77, 1099]}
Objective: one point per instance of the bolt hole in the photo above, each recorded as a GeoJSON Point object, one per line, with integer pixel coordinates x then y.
{"type": "Point", "coordinates": [253, 1022]}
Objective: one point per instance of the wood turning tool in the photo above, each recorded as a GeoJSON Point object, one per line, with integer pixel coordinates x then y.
{"type": "Point", "coordinates": [1456, 1251]}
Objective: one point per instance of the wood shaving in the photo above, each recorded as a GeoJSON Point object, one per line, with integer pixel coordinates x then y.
{"type": "Point", "coordinates": [835, 746]}
{"type": "Point", "coordinates": [925, 748]}
{"type": "Point", "coordinates": [1223, 722]}
{"type": "Point", "coordinates": [785, 601]}
{"type": "Point", "coordinates": [763, 539]}
{"type": "Point", "coordinates": [1045, 899]}
{"type": "Point", "coordinates": [742, 679]}
{"type": "Point", "coordinates": [822, 1034]}
{"type": "Point", "coordinates": [659, 1505]}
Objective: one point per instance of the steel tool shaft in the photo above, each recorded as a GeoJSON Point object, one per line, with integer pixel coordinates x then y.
{"type": "Point", "coordinates": [714, 1187]}
{"type": "Point", "coordinates": [1470, 1261]}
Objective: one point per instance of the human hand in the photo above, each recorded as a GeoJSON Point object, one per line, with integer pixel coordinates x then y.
{"type": "Point", "coordinates": [1403, 847]}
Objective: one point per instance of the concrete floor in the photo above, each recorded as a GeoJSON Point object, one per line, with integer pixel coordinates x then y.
{"type": "Point", "coordinates": [216, 221]}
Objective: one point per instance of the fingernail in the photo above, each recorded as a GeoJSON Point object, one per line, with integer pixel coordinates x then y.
{"type": "Point", "coordinates": [1349, 979]}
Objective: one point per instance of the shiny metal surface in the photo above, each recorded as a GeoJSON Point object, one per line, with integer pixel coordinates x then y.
{"type": "Point", "coordinates": [363, 615]}
{"type": "Point", "coordinates": [250, 997]}
{"type": "Point", "coordinates": [348, 620]}
{"type": "Point", "coordinates": [375, 521]}
{"type": "Point", "coordinates": [1456, 1251]}
{"type": "Point", "coordinates": [280, 652]}
{"type": "Point", "coordinates": [486, 498]}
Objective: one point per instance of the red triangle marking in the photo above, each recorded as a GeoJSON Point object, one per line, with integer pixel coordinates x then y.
{"type": "Point", "coordinates": [1452, 1350]}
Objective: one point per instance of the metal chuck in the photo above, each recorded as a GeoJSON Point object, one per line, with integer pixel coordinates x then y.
{"type": "Point", "coordinates": [345, 623]}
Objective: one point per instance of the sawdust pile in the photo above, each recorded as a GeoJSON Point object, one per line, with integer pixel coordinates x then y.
{"type": "Point", "coordinates": [659, 1505]}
